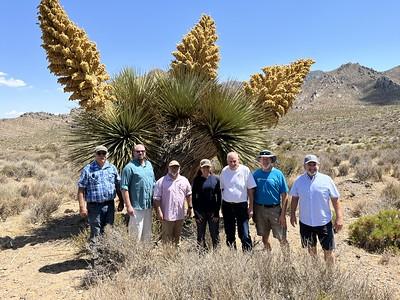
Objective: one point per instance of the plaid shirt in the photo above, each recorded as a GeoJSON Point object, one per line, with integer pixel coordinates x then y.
{"type": "Point", "coordinates": [99, 183]}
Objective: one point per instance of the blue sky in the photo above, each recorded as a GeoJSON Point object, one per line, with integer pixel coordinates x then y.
{"type": "Point", "coordinates": [142, 34]}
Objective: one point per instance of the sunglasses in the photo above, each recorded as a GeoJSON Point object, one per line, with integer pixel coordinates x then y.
{"type": "Point", "coordinates": [140, 151]}
{"type": "Point", "coordinates": [101, 153]}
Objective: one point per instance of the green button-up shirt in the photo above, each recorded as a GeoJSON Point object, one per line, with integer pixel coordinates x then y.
{"type": "Point", "coordinates": [139, 181]}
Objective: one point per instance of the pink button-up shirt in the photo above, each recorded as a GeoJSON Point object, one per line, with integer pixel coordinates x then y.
{"type": "Point", "coordinates": [172, 194]}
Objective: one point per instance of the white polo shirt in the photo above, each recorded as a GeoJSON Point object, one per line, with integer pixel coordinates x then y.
{"type": "Point", "coordinates": [314, 198]}
{"type": "Point", "coordinates": [234, 183]}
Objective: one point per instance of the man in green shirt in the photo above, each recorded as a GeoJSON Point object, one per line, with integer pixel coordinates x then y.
{"type": "Point", "coordinates": [137, 185]}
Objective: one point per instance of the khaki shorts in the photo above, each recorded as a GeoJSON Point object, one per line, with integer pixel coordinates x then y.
{"type": "Point", "coordinates": [267, 219]}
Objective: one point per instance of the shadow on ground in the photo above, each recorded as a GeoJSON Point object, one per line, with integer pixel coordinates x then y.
{"type": "Point", "coordinates": [55, 230]}
{"type": "Point", "coordinates": [65, 266]}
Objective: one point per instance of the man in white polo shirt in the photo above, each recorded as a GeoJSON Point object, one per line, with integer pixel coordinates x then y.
{"type": "Point", "coordinates": [237, 185]}
{"type": "Point", "coordinates": [313, 191]}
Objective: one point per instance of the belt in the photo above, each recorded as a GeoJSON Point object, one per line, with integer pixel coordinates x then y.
{"type": "Point", "coordinates": [268, 205]}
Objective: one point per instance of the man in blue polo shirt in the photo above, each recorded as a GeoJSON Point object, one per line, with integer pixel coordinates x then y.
{"type": "Point", "coordinates": [137, 189]}
{"type": "Point", "coordinates": [314, 191]}
{"type": "Point", "coordinates": [97, 186]}
{"type": "Point", "coordinates": [270, 200]}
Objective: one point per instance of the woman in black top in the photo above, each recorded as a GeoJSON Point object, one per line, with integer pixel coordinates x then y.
{"type": "Point", "coordinates": [206, 195]}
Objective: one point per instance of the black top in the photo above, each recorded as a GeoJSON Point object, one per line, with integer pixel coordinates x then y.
{"type": "Point", "coordinates": [206, 196]}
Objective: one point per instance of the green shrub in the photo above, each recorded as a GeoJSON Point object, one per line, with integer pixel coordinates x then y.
{"type": "Point", "coordinates": [377, 232]}
{"type": "Point", "coordinates": [354, 160]}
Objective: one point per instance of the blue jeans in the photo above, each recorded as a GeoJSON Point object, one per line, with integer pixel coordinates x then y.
{"type": "Point", "coordinates": [213, 227]}
{"type": "Point", "coordinates": [236, 213]}
{"type": "Point", "coordinates": [100, 215]}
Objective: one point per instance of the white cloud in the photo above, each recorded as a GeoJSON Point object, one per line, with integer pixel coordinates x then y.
{"type": "Point", "coordinates": [13, 114]}
{"type": "Point", "coordinates": [9, 81]}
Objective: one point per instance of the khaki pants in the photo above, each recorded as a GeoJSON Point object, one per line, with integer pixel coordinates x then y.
{"type": "Point", "coordinates": [171, 231]}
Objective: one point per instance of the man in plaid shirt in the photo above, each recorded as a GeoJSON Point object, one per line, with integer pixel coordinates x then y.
{"type": "Point", "coordinates": [97, 186]}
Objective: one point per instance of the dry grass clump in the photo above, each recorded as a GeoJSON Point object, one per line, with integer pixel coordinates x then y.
{"type": "Point", "coordinates": [140, 271]}
{"type": "Point", "coordinates": [43, 208]}
{"type": "Point", "coordinates": [23, 169]}
{"type": "Point", "coordinates": [354, 160]}
{"type": "Point", "coordinates": [11, 202]}
{"type": "Point", "coordinates": [343, 169]}
{"type": "Point", "coordinates": [368, 171]}
{"type": "Point", "coordinates": [289, 165]}
{"type": "Point", "coordinates": [396, 172]}
{"type": "Point", "coordinates": [391, 195]}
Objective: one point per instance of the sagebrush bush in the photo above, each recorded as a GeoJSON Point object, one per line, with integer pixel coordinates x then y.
{"type": "Point", "coordinates": [396, 172]}
{"type": "Point", "coordinates": [377, 232]}
{"type": "Point", "coordinates": [11, 202]}
{"type": "Point", "coordinates": [140, 271]}
{"type": "Point", "coordinates": [289, 165]}
{"type": "Point", "coordinates": [354, 160]}
{"type": "Point", "coordinates": [23, 169]}
{"type": "Point", "coordinates": [343, 169]}
{"type": "Point", "coordinates": [368, 171]}
{"type": "Point", "coordinates": [391, 195]}
{"type": "Point", "coordinates": [43, 208]}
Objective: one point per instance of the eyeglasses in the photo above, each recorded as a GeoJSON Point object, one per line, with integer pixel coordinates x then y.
{"type": "Point", "coordinates": [140, 151]}
{"type": "Point", "coordinates": [101, 153]}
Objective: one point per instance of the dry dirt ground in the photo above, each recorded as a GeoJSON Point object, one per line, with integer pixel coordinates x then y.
{"type": "Point", "coordinates": [41, 261]}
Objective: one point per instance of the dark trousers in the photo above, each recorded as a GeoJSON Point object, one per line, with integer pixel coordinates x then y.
{"type": "Point", "coordinates": [100, 215]}
{"type": "Point", "coordinates": [236, 213]}
{"type": "Point", "coordinates": [213, 227]}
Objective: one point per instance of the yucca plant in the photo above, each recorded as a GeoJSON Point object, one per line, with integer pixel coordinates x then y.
{"type": "Point", "coordinates": [184, 117]}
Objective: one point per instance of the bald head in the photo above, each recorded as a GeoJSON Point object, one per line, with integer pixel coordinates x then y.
{"type": "Point", "coordinates": [139, 152]}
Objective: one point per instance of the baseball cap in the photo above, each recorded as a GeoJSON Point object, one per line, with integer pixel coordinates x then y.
{"type": "Point", "coordinates": [205, 163]}
{"type": "Point", "coordinates": [311, 158]}
{"type": "Point", "coordinates": [173, 163]}
{"type": "Point", "coordinates": [100, 148]}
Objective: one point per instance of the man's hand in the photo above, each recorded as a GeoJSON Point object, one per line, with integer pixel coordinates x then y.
{"type": "Point", "coordinates": [338, 224]}
{"type": "Point", "coordinates": [293, 220]}
{"type": "Point", "coordinates": [83, 212]}
{"type": "Point", "coordinates": [282, 220]}
{"type": "Point", "coordinates": [120, 205]}
{"type": "Point", "coordinates": [160, 214]}
{"type": "Point", "coordinates": [130, 211]}
{"type": "Point", "coordinates": [250, 212]}
{"type": "Point", "coordinates": [189, 212]}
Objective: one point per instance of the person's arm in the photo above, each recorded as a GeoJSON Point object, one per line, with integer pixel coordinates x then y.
{"type": "Point", "coordinates": [127, 201]}
{"type": "Point", "coordinates": [250, 195]}
{"type": "Point", "coordinates": [284, 203]}
{"type": "Point", "coordinates": [195, 199]}
{"type": "Point", "coordinates": [157, 199]}
{"type": "Point", "coordinates": [82, 203]}
{"type": "Point", "coordinates": [118, 191]}
{"type": "Point", "coordinates": [218, 197]}
{"type": "Point", "coordinates": [293, 207]}
{"type": "Point", "coordinates": [189, 205]}
{"type": "Point", "coordinates": [339, 214]}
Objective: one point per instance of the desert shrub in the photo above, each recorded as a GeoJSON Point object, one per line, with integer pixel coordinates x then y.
{"type": "Point", "coordinates": [327, 167]}
{"type": "Point", "coordinates": [367, 171]}
{"type": "Point", "coordinates": [169, 273]}
{"type": "Point", "coordinates": [11, 202]}
{"type": "Point", "coordinates": [396, 172]}
{"type": "Point", "coordinates": [377, 232]}
{"type": "Point", "coordinates": [43, 208]}
{"type": "Point", "coordinates": [343, 170]}
{"type": "Point", "coordinates": [24, 191]}
{"type": "Point", "coordinates": [23, 169]}
{"type": "Point", "coordinates": [391, 195]}
{"type": "Point", "coordinates": [289, 165]}
{"type": "Point", "coordinates": [354, 160]}
{"type": "Point", "coordinates": [3, 179]}
{"type": "Point", "coordinates": [38, 189]}
{"type": "Point", "coordinates": [80, 241]}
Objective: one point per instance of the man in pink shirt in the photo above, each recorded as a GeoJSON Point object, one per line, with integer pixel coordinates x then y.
{"type": "Point", "coordinates": [170, 193]}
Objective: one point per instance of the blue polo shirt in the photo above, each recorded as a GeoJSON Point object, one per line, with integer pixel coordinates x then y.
{"type": "Point", "coordinates": [139, 181]}
{"type": "Point", "coordinates": [270, 186]}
